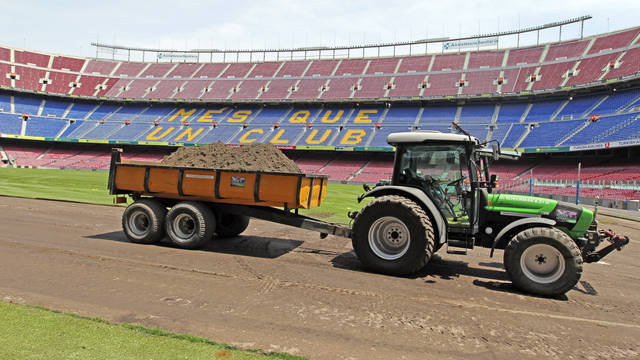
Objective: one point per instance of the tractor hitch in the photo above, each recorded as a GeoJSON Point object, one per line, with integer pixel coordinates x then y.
{"type": "Point", "coordinates": [616, 242]}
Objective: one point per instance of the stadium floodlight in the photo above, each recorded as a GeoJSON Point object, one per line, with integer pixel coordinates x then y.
{"type": "Point", "coordinates": [312, 48]}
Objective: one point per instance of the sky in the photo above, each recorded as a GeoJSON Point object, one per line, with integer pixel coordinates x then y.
{"type": "Point", "coordinates": [68, 27]}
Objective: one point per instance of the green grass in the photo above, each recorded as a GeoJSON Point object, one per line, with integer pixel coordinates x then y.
{"type": "Point", "coordinates": [71, 185]}
{"type": "Point", "coordinates": [339, 200]}
{"type": "Point", "coordinates": [38, 333]}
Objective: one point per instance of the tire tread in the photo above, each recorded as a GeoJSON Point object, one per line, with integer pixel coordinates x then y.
{"type": "Point", "coordinates": [415, 210]}
{"type": "Point", "coordinates": [573, 259]}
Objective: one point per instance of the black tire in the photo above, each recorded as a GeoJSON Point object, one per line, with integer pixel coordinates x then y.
{"type": "Point", "coordinates": [190, 224]}
{"type": "Point", "coordinates": [230, 225]}
{"type": "Point", "coordinates": [393, 235]}
{"type": "Point", "coordinates": [543, 261]}
{"type": "Point", "coordinates": [143, 221]}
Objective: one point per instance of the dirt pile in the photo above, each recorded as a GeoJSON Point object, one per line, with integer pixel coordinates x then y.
{"type": "Point", "coordinates": [254, 157]}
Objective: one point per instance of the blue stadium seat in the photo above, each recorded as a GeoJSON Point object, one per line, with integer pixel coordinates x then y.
{"type": "Point", "coordinates": [596, 129]}
{"type": "Point", "coordinates": [42, 126]}
{"type": "Point", "coordinates": [511, 113]}
{"type": "Point", "coordinates": [630, 131]}
{"type": "Point", "coordinates": [401, 115]}
{"type": "Point", "coordinates": [10, 124]}
{"type": "Point", "coordinates": [80, 110]}
{"type": "Point", "coordinates": [380, 137]}
{"type": "Point", "coordinates": [635, 104]}
{"type": "Point", "coordinates": [270, 116]}
{"type": "Point", "coordinates": [616, 101]}
{"type": "Point", "coordinates": [254, 133]}
{"type": "Point", "coordinates": [154, 113]}
{"type": "Point", "coordinates": [221, 133]}
{"type": "Point", "coordinates": [103, 111]}
{"type": "Point", "coordinates": [352, 135]}
{"type": "Point", "coordinates": [500, 131]}
{"type": "Point", "coordinates": [285, 135]}
{"type": "Point", "coordinates": [130, 132]}
{"type": "Point", "coordinates": [478, 131]}
{"type": "Point", "coordinates": [5, 103]}
{"type": "Point", "coordinates": [127, 113]}
{"type": "Point", "coordinates": [578, 107]}
{"type": "Point", "coordinates": [318, 135]}
{"type": "Point", "coordinates": [542, 110]}
{"type": "Point", "coordinates": [26, 105]}
{"type": "Point", "coordinates": [54, 107]}
{"type": "Point", "coordinates": [362, 116]}
{"type": "Point", "coordinates": [550, 133]}
{"type": "Point", "coordinates": [328, 115]}
{"type": "Point", "coordinates": [102, 131]}
{"type": "Point", "coordinates": [70, 130]}
{"type": "Point", "coordinates": [438, 114]}
{"type": "Point", "coordinates": [445, 127]}
{"type": "Point", "coordinates": [515, 133]}
{"type": "Point", "coordinates": [477, 114]}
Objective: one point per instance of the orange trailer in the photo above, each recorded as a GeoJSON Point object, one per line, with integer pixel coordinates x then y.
{"type": "Point", "coordinates": [204, 202]}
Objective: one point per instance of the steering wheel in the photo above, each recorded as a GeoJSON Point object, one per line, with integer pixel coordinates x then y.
{"type": "Point", "coordinates": [456, 182]}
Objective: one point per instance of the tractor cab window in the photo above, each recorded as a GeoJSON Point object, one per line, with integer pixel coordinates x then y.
{"type": "Point", "coordinates": [442, 171]}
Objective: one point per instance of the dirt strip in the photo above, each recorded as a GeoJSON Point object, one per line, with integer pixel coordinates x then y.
{"type": "Point", "coordinates": [284, 289]}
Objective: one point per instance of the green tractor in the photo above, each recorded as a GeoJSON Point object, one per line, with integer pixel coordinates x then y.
{"type": "Point", "coordinates": [441, 193]}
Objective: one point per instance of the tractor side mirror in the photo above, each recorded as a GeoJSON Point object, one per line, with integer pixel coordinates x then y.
{"type": "Point", "coordinates": [493, 181]}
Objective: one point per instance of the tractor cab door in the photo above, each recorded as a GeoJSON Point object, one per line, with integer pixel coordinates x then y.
{"type": "Point", "coordinates": [442, 172]}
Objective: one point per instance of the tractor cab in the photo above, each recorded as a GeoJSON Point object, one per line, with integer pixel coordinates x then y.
{"type": "Point", "coordinates": [447, 168]}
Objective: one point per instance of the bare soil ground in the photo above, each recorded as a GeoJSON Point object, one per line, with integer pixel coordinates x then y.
{"type": "Point", "coordinates": [284, 289]}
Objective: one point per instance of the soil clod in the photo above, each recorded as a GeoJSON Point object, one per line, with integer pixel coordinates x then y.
{"type": "Point", "coordinates": [262, 157]}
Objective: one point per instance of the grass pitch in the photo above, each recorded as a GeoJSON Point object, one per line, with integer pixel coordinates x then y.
{"type": "Point", "coordinates": [69, 185]}
{"type": "Point", "coordinates": [38, 333]}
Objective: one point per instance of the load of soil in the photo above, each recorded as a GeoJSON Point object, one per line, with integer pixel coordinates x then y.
{"type": "Point", "coordinates": [253, 157]}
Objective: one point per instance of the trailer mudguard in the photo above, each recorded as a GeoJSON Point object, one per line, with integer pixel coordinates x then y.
{"type": "Point", "coordinates": [420, 197]}
{"type": "Point", "coordinates": [519, 222]}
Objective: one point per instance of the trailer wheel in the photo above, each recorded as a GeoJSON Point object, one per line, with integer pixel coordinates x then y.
{"type": "Point", "coordinates": [143, 221]}
{"type": "Point", "coordinates": [230, 225]}
{"type": "Point", "coordinates": [190, 224]}
{"type": "Point", "coordinates": [393, 235]}
{"type": "Point", "coordinates": [543, 261]}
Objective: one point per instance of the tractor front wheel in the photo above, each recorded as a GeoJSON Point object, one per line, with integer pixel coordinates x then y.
{"type": "Point", "coordinates": [393, 235]}
{"type": "Point", "coordinates": [543, 261]}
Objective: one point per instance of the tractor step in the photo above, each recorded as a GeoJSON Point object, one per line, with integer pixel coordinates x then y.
{"type": "Point", "coordinates": [458, 247]}
{"type": "Point", "coordinates": [456, 251]}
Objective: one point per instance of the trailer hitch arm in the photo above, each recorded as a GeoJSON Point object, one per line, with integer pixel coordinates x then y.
{"type": "Point", "coordinates": [616, 242]}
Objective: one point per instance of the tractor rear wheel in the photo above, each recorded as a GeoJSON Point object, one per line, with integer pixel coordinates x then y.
{"type": "Point", "coordinates": [190, 224]}
{"type": "Point", "coordinates": [230, 225]}
{"type": "Point", "coordinates": [543, 261]}
{"type": "Point", "coordinates": [393, 235]}
{"type": "Point", "coordinates": [143, 221]}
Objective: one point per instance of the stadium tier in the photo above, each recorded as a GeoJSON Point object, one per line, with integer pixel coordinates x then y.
{"type": "Point", "coordinates": [564, 121]}
{"type": "Point", "coordinates": [573, 63]}
{"type": "Point", "coordinates": [568, 96]}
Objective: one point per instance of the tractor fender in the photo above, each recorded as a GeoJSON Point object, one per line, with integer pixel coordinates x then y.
{"type": "Point", "coordinates": [419, 197]}
{"type": "Point", "coordinates": [520, 222]}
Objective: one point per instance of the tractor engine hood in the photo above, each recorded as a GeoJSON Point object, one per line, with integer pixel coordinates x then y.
{"type": "Point", "coordinates": [575, 219]}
